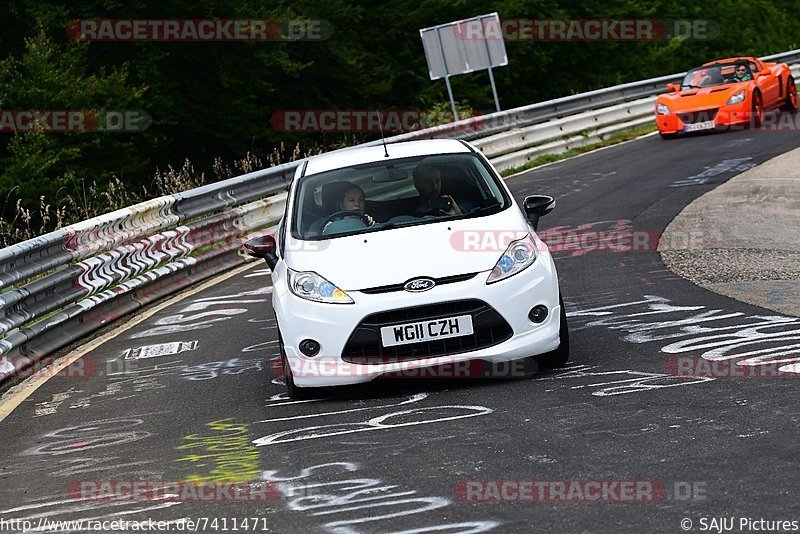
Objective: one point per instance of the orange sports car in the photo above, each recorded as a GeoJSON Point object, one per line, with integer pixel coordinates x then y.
{"type": "Point", "coordinates": [724, 93]}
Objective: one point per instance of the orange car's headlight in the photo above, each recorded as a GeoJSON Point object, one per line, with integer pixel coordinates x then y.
{"type": "Point", "coordinates": [737, 98]}
{"type": "Point", "coordinates": [661, 109]}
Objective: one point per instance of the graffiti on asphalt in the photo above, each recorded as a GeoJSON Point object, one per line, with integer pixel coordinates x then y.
{"type": "Point", "coordinates": [181, 322]}
{"type": "Point", "coordinates": [713, 334]}
{"type": "Point", "coordinates": [736, 165]}
{"type": "Point", "coordinates": [160, 349]}
{"type": "Point", "coordinates": [227, 450]}
{"type": "Point", "coordinates": [120, 385]}
{"type": "Point", "coordinates": [91, 435]}
{"type": "Point", "coordinates": [266, 345]}
{"type": "Point", "coordinates": [209, 370]}
{"type": "Point", "coordinates": [403, 418]}
{"type": "Point", "coordinates": [347, 501]}
{"type": "Point", "coordinates": [609, 383]}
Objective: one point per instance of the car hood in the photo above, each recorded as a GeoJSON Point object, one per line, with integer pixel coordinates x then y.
{"type": "Point", "coordinates": [694, 99]}
{"type": "Point", "coordinates": [395, 255]}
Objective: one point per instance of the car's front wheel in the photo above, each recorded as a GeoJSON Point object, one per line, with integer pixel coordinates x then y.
{"type": "Point", "coordinates": [559, 356]}
{"type": "Point", "coordinates": [791, 95]}
{"type": "Point", "coordinates": [294, 391]}
{"type": "Point", "coordinates": [757, 113]}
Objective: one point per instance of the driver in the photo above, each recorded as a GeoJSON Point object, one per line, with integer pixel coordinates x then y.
{"type": "Point", "coordinates": [352, 199]}
{"type": "Point", "coordinates": [742, 74]}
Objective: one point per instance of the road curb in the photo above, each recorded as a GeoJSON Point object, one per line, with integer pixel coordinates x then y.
{"type": "Point", "coordinates": [741, 238]}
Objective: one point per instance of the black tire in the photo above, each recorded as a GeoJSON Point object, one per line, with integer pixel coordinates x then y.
{"type": "Point", "coordinates": [560, 356]}
{"type": "Point", "coordinates": [791, 95]}
{"type": "Point", "coordinates": [295, 392]}
{"type": "Point", "coordinates": [757, 111]}
{"type": "Point", "coordinates": [668, 135]}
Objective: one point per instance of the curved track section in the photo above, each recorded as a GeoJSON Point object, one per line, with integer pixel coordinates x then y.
{"type": "Point", "coordinates": [189, 395]}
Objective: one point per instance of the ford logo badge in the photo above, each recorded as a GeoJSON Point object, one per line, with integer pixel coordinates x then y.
{"type": "Point", "coordinates": [419, 284]}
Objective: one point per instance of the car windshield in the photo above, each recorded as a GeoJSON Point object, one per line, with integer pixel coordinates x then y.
{"type": "Point", "coordinates": [388, 194]}
{"type": "Point", "coordinates": [718, 74]}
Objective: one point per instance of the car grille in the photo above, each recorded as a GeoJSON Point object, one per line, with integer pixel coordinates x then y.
{"type": "Point", "coordinates": [365, 347]}
{"type": "Point", "coordinates": [399, 287]}
{"type": "Point", "coordinates": [698, 116]}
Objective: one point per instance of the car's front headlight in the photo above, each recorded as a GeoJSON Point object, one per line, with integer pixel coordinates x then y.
{"type": "Point", "coordinates": [518, 256]}
{"type": "Point", "coordinates": [311, 286]}
{"type": "Point", "coordinates": [738, 98]}
{"type": "Point", "coordinates": [661, 109]}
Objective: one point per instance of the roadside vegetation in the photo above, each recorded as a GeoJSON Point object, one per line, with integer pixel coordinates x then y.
{"type": "Point", "coordinates": [210, 103]}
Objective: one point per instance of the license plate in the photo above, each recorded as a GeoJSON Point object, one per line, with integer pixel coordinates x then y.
{"type": "Point", "coordinates": [403, 334]}
{"type": "Point", "coordinates": [705, 125]}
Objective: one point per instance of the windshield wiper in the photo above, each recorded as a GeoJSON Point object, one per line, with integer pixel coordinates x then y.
{"type": "Point", "coordinates": [387, 225]}
{"type": "Point", "coordinates": [483, 209]}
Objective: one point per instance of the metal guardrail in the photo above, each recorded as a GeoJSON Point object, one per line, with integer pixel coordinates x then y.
{"type": "Point", "coordinates": [515, 147]}
{"type": "Point", "coordinates": [65, 284]}
{"type": "Point", "coordinates": [61, 286]}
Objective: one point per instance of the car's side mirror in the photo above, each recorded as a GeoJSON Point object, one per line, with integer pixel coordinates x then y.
{"type": "Point", "coordinates": [263, 247]}
{"type": "Point", "coordinates": [765, 72]}
{"type": "Point", "coordinates": [537, 206]}
{"type": "Point", "coordinates": [673, 87]}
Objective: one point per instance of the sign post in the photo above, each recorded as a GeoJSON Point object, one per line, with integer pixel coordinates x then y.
{"type": "Point", "coordinates": [464, 46]}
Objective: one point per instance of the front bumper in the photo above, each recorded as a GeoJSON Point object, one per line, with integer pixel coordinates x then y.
{"type": "Point", "coordinates": [724, 117]}
{"type": "Point", "coordinates": [332, 324]}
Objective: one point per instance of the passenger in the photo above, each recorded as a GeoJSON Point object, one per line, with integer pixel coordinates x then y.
{"type": "Point", "coordinates": [428, 181]}
{"type": "Point", "coordinates": [699, 77]}
{"type": "Point", "coordinates": [712, 77]}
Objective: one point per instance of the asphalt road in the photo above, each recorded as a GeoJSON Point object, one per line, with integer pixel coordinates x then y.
{"type": "Point", "coordinates": [404, 455]}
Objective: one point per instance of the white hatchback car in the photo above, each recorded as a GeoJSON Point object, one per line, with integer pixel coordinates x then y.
{"type": "Point", "coordinates": [408, 256]}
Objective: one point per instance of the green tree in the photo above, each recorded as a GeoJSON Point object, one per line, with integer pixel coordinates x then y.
{"type": "Point", "coordinates": [213, 100]}
{"type": "Point", "coordinates": [47, 77]}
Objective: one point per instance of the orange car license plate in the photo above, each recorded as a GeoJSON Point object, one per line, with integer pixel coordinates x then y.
{"type": "Point", "coordinates": [705, 125]}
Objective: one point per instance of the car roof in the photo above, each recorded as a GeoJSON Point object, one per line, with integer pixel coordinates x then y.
{"type": "Point", "coordinates": [359, 155]}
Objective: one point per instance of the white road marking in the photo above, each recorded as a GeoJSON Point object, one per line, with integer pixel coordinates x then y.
{"type": "Point", "coordinates": [413, 398]}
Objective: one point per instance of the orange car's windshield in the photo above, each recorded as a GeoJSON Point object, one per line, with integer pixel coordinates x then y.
{"type": "Point", "coordinates": [703, 77]}
{"type": "Point", "coordinates": [718, 74]}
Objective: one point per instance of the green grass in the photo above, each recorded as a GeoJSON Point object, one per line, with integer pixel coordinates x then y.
{"type": "Point", "coordinates": [615, 139]}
